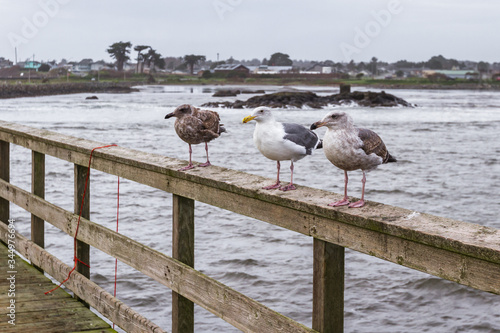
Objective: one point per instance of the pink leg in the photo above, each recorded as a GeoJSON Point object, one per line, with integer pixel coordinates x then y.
{"type": "Point", "coordinates": [277, 185]}
{"type": "Point", "coordinates": [207, 163]}
{"type": "Point", "coordinates": [289, 186]}
{"type": "Point", "coordinates": [361, 202]}
{"type": "Point", "coordinates": [190, 165]}
{"type": "Point", "coordinates": [344, 201]}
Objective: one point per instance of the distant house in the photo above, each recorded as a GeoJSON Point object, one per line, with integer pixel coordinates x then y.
{"type": "Point", "coordinates": [5, 63]}
{"type": "Point", "coordinates": [318, 69]}
{"type": "Point", "coordinates": [231, 68]}
{"type": "Point", "coordinates": [265, 69]}
{"type": "Point", "coordinates": [411, 71]}
{"type": "Point", "coordinates": [452, 74]}
{"type": "Point", "coordinates": [32, 65]}
{"type": "Point", "coordinates": [98, 65]}
{"type": "Point", "coordinates": [83, 66]}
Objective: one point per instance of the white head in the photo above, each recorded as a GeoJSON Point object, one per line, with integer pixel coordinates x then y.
{"type": "Point", "coordinates": [334, 120]}
{"type": "Point", "coordinates": [259, 114]}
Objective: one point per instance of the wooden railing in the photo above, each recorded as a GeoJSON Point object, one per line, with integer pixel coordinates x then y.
{"type": "Point", "coordinates": [462, 252]}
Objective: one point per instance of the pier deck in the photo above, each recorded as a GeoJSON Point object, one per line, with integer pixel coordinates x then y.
{"type": "Point", "coordinates": [36, 312]}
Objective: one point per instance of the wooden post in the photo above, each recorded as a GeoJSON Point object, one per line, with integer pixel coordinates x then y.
{"type": "Point", "coordinates": [328, 287]}
{"type": "Point", "coordinates": [5, 175]}
{"type": "Point", "coordinates": [345, 88]}
{"type": "Point", "coordinates": [82, 249]}
{"type": "Point", "coordinates": [182, 250]}
{"type": "Point", "coordinates": [38, 189]}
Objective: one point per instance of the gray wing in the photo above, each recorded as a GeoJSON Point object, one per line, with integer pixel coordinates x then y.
{"type": "Point", "coordinates": [302, 136]}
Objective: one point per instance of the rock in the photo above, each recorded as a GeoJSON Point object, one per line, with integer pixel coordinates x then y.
{"type": "Point", "coordinates": [299, 99]}
{"type": "Point", "coordinates": [91, 97]}
{"type": "Point", "coordinates": [23, 90]}
{"type": "Point", "coordinates": [226, 93]}
{"type": "Point", "coordinates": [253, 92]}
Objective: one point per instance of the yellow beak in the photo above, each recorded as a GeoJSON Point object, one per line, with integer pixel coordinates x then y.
{"type": "Point", "coordinates": [249, 118]}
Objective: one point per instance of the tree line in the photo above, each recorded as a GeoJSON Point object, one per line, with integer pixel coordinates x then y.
{"type": "Point", "coordinates": [147, 56]}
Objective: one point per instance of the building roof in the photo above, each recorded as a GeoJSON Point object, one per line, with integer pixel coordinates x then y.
{"type": "Point", "coordinates": [229, 67]}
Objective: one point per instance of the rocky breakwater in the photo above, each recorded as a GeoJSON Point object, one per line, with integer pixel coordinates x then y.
{"type": "Point", "coordinates": [299, 99]}
{"type": "Point", "coordinates": [32, 90]}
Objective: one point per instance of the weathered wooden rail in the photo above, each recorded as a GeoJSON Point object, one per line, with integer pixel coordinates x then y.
{"type": "Point", "coordinates": [462, 252]}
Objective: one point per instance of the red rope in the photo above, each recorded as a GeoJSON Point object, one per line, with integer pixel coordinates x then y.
{"type": "Point", "coordinates": [78, 224]}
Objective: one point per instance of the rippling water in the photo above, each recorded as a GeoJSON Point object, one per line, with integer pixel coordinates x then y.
{"type": "Point", "coordinates": [448, 165]}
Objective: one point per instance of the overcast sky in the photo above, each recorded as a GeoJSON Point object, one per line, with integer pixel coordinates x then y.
{"type": "Point", "coordinates": [339, 30]}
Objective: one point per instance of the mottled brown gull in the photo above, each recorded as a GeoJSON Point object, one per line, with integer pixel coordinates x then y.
{"type": "Point", "coordinates": [350, 148]}
{"type": "Point", "coordinates": [281, 141]}
{"type": "Point", "coordinates": [195, 126]}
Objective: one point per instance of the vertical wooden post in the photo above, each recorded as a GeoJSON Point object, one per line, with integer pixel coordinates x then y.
{"type": "Point", "coordinates": [38, 189]}
{"type": "Point", "coordinates": [5, 175]}
{"type": "Point", "coordinates": [328, 287]}
{"type": "Point", "coordinates": [82, 249]}
{"type": "Point", "coordinates": [182, 250]}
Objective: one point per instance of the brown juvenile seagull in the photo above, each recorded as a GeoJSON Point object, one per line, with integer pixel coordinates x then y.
{"type": "Point", "coordinates": [350, 148]}
{"type": "Point", "coordinates": [195, 126]}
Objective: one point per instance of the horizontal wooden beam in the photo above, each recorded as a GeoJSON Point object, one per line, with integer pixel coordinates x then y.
{"type": "Point", "coordinates": [237, 309]}
{"type": "Point", "coordinates": [295, 210]}
{"type": "Point", "coordinates": [454, 250]}
{"type": "Point", "coordinates": [109, 306]}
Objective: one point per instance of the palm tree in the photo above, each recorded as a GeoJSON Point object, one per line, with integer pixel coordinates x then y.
{"type": "Point", "coordinates": [139, 49]}
{"type": "Point", "coordinates": [191, 60]}
{"type": "Point", "coordinates": [119, 51]}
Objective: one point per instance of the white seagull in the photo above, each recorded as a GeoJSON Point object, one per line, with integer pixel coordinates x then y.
{"type": "Point", "coordinates": [351, 148]}
{"type": "Point", "coordinates": [281, 141]}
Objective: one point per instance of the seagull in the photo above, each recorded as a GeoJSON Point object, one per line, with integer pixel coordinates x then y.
{"type": "Point", "coordinates": [281, 142]}
{"type": "Point", "coordinates": [195, 126]}
{"type": "Point", "coordinates": [350, 148]}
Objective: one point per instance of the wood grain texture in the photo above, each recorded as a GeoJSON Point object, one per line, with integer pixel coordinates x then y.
{"type": "Point", "coordinates": [182, 250]}
{"type": "Point", "coordinates": [38, 189]}
{"type": "Point", "coordinates": [462, 252]}
{"type": "Point", "coordinates": [201, 183]}
{"type": "Point", "coordinates": [35, 311]}
{"type": "Point", "coordinates": [237, 309]}
{"type": "Point", "coordinates": [82, 208]}
{"type": "Point", "coordinates": [328, 287]}
{"type": "Point", "coordinates": [109, 306]}
{"type": "Point", "coordinates": [5, 175]}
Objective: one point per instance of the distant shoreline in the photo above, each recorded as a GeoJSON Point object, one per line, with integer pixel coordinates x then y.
{"type": "Point", "coordinates": [46, 89]}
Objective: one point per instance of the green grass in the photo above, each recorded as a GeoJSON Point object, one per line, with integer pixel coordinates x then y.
{"type": "Point", "coordinates": [169, 79]}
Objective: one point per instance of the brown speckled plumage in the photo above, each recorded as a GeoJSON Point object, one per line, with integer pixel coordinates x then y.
{"type": "Point", "coordinates": [195, 126]}
{"type": "Point", "coordinates": [372, 143]}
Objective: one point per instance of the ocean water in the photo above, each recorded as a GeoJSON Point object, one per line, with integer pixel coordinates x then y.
{"type": "Point", "coordinates": [448, 165]}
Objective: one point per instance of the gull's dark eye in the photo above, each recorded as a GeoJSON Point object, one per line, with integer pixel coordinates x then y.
{"type": "Point", "coordinates": [334, 116]}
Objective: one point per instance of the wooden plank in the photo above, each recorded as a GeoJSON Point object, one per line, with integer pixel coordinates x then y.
{"type": "Point", "coordinates": [202, 183]}
{"type": "Point", "coordinates": [328, 287]}
{"type": "Point", "coordinates": [33, 310]}
{"type": "Point", "coordinates": [182, 250]}
{"type": "Point", "coordinates": [82, 208]}
{"type": "Point", "coordinates": [110, 307]}
{"type": "Point", "coordinates": [467, 270]}
{"type": "Point", "coordinates": [237, 309]}
{"type": "Point", "coordinates": [5, 175]}
{"type": "Point", "coordinates": [38, 188]}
